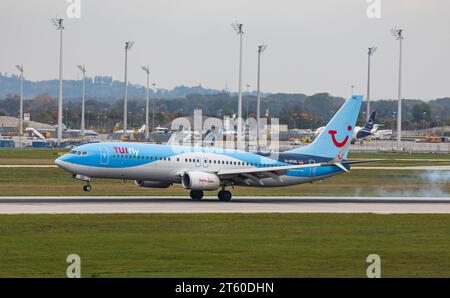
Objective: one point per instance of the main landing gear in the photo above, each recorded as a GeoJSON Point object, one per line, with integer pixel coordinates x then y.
{"type": "Point", "coordinates": [87, 187]}
{"type": "Point", "coordinates": [223, 195]}
{"type": "Point", "coordinates": [196, 195]}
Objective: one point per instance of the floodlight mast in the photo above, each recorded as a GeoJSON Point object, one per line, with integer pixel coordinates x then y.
{"type": "Point", "coordinates": [58, 23]}
{"type": "Point", "coordinates": [248, 99]}
{"type": "Point", "coordinates": [82, 68]}
{"type": "Point", "coordinates": [20, 69]}
{"type": "Point", "coordinates": [370, 53]}
{"type": "Point", "coordinates": [238, 28]}
{"type": "Point", "coordinates": [398, 34]}
{"type": "Point", "coordinates": [261, 49]}
{"type": "Point", "coordinates": [153, 107]}
{"type": "Point", "coordinates": [147, 71]}
{"type": "Point", "coordinates": [128, 45]}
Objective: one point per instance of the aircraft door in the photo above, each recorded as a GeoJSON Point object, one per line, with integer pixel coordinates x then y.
{"type": "Point", "coordinates": [197, 162]}
{"type": "Point", "coordinates": [312, 170]}
{"type": "Point", "coordinates": [104, 156]}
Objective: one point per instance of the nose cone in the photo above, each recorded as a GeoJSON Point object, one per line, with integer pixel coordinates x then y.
{"type": "Point", "coordinates": [62, 162]}
{"type": "Point", "coordinates": [58, 162]}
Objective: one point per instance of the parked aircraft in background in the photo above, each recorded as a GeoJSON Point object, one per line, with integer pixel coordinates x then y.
{"type": "Point", "coordinates": [368, 129]}
{"type": "Point", "coordinates": [132, 131]}
{"type": "Point", "coordinates": [359, 133]}
{"type": "Point", "coordinates": [383, 134]}
{"type": "Point", "coordinates": [201, 169]}
{"type": "Point", "coordinates": [67, 133]}
{"type": "Point", "coordinates": [77, 132]}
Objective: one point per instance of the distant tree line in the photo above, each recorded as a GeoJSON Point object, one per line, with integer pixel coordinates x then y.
{"type": "Point", "coordinates": [101, 87]}
{"type": "Point", "coordinates": [296, 110]}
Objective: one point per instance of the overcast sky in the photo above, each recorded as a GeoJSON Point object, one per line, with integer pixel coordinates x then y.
{"type": "Point", "coordinates": [313, 46]}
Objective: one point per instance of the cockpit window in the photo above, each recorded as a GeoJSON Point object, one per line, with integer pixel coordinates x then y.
{"type": "Point", "coordinates": [77, 152]}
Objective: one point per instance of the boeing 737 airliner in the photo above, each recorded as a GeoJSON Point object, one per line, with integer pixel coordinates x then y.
{"type": "Point", "coordinates": [202, 169]}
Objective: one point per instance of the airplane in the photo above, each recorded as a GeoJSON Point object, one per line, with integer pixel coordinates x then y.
{"type": "Point", "coordinates": [359, 132]}
{"type": "Point", "coordinates": [66, 132]}
{"type": "Point", "coordinates": [368, 129]}
{"type": "Point", "coordinates": [383, 134]}
{"type": "Point", "coordinates": [132, 131]}
{"type": "Point", "coordinates": [200, 169]}
{"type": "Point", "coordinates": [77, 132]}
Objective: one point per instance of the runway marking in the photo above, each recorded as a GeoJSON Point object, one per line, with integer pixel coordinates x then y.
{"type": "Point", "coordinates": [181, 204]}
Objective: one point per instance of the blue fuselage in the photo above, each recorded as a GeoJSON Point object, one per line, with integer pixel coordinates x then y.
{"type": "Point", "coordinates": [149, 162]}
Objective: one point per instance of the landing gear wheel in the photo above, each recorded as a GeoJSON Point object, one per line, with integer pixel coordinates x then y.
{"type": "Point", "coordinates": [224, 195]}
{"type": "Point", "coordinates": [87, 188]}
{"type": "Point", "coordinates": [196, 195]}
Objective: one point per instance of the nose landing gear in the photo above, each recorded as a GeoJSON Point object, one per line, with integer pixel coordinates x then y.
{"type": "Point", "coordinates": [87, 187]}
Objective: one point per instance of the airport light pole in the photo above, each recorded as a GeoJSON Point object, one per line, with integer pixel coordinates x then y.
{"type": "Point", "coordinates": [58, 22]}
{"type": "Point", "coordinates": [398, 34]}
{"type": "Point", "coordinates": [237, 27]}
{"type": "Point", "coordinates": [153, 107]}
{"type": "Point", "coordinates": [352, 87]}
{"type": "Point", "coordinates": [248, 98]}
{"type": "Point", "coordinates": [370, 53]}
{"type": "Point", "coordinates": [261, 49]}
{"type": "Point", "coordinates": [83, 107]}
{"type": "Point", "coordinates": [128, 45]}
{"type": "Point", "coordinates": [147, 71]}
{"type": "Point", "coordinates": [20, 69]}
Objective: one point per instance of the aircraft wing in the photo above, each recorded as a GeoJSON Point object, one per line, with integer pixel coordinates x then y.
{"type": "Point", "coordinates": [279, 169]}
{"type": "Point", "coordinates": [256, 174]}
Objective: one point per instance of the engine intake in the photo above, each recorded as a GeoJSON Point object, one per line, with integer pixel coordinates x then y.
{"type": "Point", "coordinates": [197, 180]}
{"type": "Point", "coordinates": [152, 184]}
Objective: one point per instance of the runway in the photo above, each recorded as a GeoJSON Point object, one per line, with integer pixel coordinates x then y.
{"type": "Point", "coordinates": [120, 204]}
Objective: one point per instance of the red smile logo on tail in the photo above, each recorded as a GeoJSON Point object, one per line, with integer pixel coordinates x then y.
{"type": "Point", "coordinates": [333, 137]}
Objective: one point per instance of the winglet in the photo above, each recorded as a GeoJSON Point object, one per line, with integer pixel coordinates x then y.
{"type": "Point", "coordinates": [341, 167]}
{"type": "Point", "coordinates": [340, 156]}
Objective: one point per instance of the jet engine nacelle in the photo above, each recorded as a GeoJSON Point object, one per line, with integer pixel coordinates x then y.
{"type": "Point", "coordinates": [152, 184]}
{"type": "Point", "coordinates": [197, 180]}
